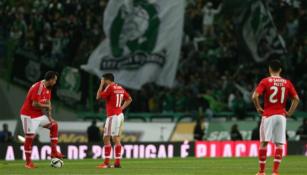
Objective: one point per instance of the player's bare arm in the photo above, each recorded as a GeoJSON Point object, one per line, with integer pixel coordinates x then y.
{"type": "Point", "coordinates": [50, 112]}
{"type": "Point", "coordinates": [126, 103]}
{"type": "Point", "coordinates": [100, 89]}
{"type": "Point", "coordinates": [255, 98]}
{"type": "Point", "coordinates": [294, 103]}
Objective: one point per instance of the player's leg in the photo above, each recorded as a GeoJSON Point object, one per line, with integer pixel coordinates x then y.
{"type": "Point", "coordinates": [29, 127]}
{"type": "Point", "coordinates": [116, 139]}
{"type": "Point", "coordinates": [107, 144]}
{"type": "Point", "coordinates": [265, 136]}
{"type": "Point", "coordinates": [53, 134]}
{"type": "Point", "coordinates": [277, 157]}
{"type": "Point", "coordinates": [107, 149]}
{"type": "Point", "coordinates": [262, 156]}
{"type": "Point", "coordinates": [117, 150]}
{"type": "Point", "coordinates": [279, 139]}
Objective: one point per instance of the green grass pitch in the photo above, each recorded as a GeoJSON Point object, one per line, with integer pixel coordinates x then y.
{"type": "Point", "coordinates": [291, 165]}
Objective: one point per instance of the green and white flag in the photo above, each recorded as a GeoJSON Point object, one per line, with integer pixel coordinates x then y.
{"type": "Point", "coordinates": [256, 28]}
{"type": "Point", "coordinates": [69, 89]}
{"type": "Point", "coordinates": [259, 32]}
{"type": "Point", "coordinates": [143, 40]}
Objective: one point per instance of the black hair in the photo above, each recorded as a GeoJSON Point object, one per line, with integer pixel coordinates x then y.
{"type": "Point", "coordinates": [234, 127]}
{"type": "Point", "coordinates": [275, 65]}
{"type": "Point", "coordinates": [108, 76]}
{"type": "Point", "coordinates": [94, 122]}
{"type": "Point", "coordinates": [50, 75]}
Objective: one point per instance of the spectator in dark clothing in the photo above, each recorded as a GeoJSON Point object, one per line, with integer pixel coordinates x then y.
{"type": "Point", "coordinates": [36, 139]}
{"type": "Point", "coordinates": [235, 133]}
{"type": "Point", "coordinates": [302, 130]}
{"type": "Point", "coordinates": [199, 130]}
{"type": "Point", "coordinates": [93, 133]}
{"type": "Point", "coordinates": [239, 106]}
{"type": "Point", "coordinates": [255, 132]}
{"type": "Point", "coordinates": [6, 135]}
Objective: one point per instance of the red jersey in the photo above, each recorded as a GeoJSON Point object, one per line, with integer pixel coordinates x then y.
{"type": "Point", "coordinates": [114, 95]}
{"type": "Point", "coordinates": [276, 92]}
{"type": "Point", "coordinates": [38, 92]}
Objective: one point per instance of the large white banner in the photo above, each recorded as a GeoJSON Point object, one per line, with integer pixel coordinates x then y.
{"type": "Point", "coordinates": [143, 40]}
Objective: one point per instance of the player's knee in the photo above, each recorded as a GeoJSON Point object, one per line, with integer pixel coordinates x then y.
{"type": "Point", "coordinates": [116, 139]}
{"type": "Point", "coordinates": [30, 135]}
{"type": "Point", "coordinates": [106, 140]}
{"type": "Point", "coordinates": [55, 124]}
{"type": "Point", "coordinates": [263, 144]}
{"type": "Point", "coordinates": [279, 145]}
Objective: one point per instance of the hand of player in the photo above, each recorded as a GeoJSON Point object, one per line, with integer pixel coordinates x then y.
{"type": "Point", "coordinates": [50, 116]}
{"type": "Point", "coordinates": [288, 114]}
{"type": "Point", "coordinates": [49, 108]}
{"type": "Point", "coordinates": [260, 110]}
{"type": "Point", "coordinates": [101, 83]}
{"type": "Point", "coordinates": [51, 119]}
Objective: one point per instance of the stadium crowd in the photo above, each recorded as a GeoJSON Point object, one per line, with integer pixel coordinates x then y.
{"type": "Point", "coordinates": [208, 74]}
{"type": "Point", "coordinates": [208, 77]}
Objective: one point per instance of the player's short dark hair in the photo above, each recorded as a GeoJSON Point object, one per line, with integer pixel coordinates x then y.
{"type": "Point", "coordinates": [275, 65]}
{"type": "Point", "coordinates": [108, 76]}
{"type": "Point", "coordinates": [50, 75]}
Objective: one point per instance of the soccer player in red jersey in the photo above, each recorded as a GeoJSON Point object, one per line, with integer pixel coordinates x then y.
{"type": "Point", "coordinates": [36, 112]}
{"type": "Point", "coordinates": [117, 99]}
{"type": "Point", "coordinates": [276, 90]}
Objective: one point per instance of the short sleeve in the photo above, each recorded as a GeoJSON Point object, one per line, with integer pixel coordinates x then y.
{"type": "Point", "coordinates": [106, 92]}
{"type": "Point", "coordinates": [292, 90]}
{"type": "Point", "coordinates": [34, 93]}
{"type": "Point", "coordinates": [261, 87]}
{"type": "Point", "coordinates": [126, 95]}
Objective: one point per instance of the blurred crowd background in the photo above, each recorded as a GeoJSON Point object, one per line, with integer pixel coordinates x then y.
{"type": "Point", "coordinates": [213, 76]}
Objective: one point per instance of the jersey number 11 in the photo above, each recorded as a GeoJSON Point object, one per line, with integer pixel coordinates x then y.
{"type": "Point", "coordinates": [119, 99]}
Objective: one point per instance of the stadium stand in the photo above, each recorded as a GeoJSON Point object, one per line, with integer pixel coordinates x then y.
{"type": "Point", "coordinates": [63, 33]}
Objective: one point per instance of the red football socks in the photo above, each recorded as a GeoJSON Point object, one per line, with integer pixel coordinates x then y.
{"type": "Point", "coordinates": [262, 159]}
{"type": "Point", "coordinates": [53, 136]}
{"type": "Point", "coordinates": [107, 154]}
{"type": "Point", "coordinates": [118, 151]}
{"type": "Point", "coordinates": [277, 159]}
{"type": "Point", "coordinates": [28, 146]}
